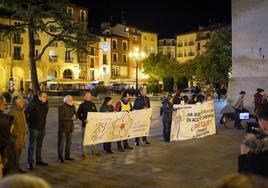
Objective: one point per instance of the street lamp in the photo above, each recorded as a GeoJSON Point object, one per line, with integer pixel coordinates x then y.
{"type": "Point", "coordinates": [137, 55]}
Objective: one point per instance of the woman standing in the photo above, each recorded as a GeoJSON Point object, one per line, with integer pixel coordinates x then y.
{"type": "Point", "coordinates": [107, 107]}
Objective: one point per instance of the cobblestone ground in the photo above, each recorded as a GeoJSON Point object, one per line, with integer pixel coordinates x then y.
{"type": "Point", "coordinates": [191, 163]}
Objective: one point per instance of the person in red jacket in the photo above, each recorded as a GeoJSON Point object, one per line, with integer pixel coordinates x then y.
{"type": "Point", "coordinates": [123, 105]}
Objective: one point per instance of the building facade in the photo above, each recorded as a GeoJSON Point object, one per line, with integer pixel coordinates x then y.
{"type": "Point", "coordinates": [58, 63]}
{"type": "Point", "coordinates": [167, 47]}
{"type": "Point", "coordinates": [186, 46]}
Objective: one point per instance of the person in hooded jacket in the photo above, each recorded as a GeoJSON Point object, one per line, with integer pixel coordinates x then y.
{"type": "Point", "coordinates": [258, 98]}
{"type": "Point", "coordinates": [167, 117]}
{"type": "Point", "coordinates": [36, 115]}
{"type": "Point", "coordinates": [107, 107]}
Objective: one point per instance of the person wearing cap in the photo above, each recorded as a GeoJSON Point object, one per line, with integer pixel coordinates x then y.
{"type": "Point", "coordinates": [239, 107]}
{"type": "Point", "coordinates": [107, 107]}
{"type": "Point", "coordinates": [258, 98]}
{"type": "Point", "coordinates": [142, 102]}
{"type": "Point", "coordinates": [123, 105]}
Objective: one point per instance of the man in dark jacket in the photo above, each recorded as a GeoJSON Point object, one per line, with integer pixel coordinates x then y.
{"type": "Point", "coordinates": [67, 117]}
{"type": "Point", "coordinates": [254, 149]}
{"type": "Point", "coordinates": [142, 102]}
{"type": "Point", "coordinates": [7, 148]}
{"type": "Point", "coordinates": [36, 114]}
{"type": "Point", "coordinates": [83, 109]}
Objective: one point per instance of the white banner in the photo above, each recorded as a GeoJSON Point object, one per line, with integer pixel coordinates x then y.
{"type": "Point", "coordinates": [193, 121]}
{"type": "Point", "coordinates": [113, 126]}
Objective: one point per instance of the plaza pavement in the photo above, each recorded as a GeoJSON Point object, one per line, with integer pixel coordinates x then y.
{"type": "Point", "coordinates": [191, 163]}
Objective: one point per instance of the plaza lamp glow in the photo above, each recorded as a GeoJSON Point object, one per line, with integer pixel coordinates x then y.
{"type": "Point", "coordinates": [137, 55]}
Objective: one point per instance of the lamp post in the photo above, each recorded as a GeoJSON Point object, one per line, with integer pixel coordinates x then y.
{"type": "Point", "coordinates": [137, 55]}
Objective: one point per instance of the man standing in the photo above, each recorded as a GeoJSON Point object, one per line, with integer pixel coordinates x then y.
{"type": "Point", "coordinates": [67, 117]}
{"type": "Point", "coordinates": [36, 115]}
{"type": "Point", "coordinates": [124, 105]}
{"type": "Point", "coordinates": [142, 102]}
{"type": "Point", "coordinates": [239, 107]}
{"type": "Point", "coordinates": [84, 108]}
{"type": "Point", "coordinates": [19, 130]}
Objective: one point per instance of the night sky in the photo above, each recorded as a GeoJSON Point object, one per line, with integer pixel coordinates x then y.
{"type": "Point", "coordinates": [166, 17]}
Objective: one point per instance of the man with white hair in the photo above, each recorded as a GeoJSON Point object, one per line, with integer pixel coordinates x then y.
{"type": "Point", "coordinates": [67, 118]}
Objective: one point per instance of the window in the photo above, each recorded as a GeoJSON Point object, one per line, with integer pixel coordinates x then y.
{"type": "Point", "coordinates": [173, 43]}
{"type": "Point", "coordinates": [135, 39]}
{"type": "Point", "coordinates": [114, 45]}
{"type": "Point", "coordinates": [36, 53]}
{"type": "Point", "coordinates": [17, 38]}
{"type": "Point", "coordinates": [124, 58]}
{"type": "Point", "coordinates": [92, 51]}
{"type": "Point", "coordinates": [198, 46]}
{"type": "Point", "coordinates": [68, 56]}
{"type": "Point", "coordinates": [164, 43]}
{"type": "Point", "coordinates": [17, 53]}
{"type": "Point", "coordinates": [115, 59]}
{"type": "Point", "coordinates": [3, 49]}
{"type": "Point", "coordinates": [124, 46]}
{"type": "Point", "coordinates": [115, 70]}
{"type": "Point", "coordinates": [104, 69]}
{"type": "Point", "coordinates": [91, 62]}
{"type": "Point", "coordinates": [70, 11]}
{"type": "Point", "coordinates": [92, 75]}
{"type": "Point", "coordinates": [145, 49]}
{"type": "Point", "coordinates": [145, 38]}
{"type": "Point", "coordinates": [83, 15]}
{"type": "Point", "coordinates": [104, 59]}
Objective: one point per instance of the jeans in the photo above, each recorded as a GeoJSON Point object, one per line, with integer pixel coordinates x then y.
{"type": "Point", "coordinates": [36, 138]}
{"type": "Point", "coordinates": [64, 139]}
{"type": "Point", "coordinates": [144, 139]}
{"type": "Point", "coordinates": [107, 146]}
{"type": "Point", "coordinates": [166, 128]}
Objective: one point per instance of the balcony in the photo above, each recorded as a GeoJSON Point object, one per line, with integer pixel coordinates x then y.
{"type": "Point", "coordinates": [37, 42]}
{"type": "Point", "coordinates": [2, 55]}
{"type": "Point", "coordinates": [191, 54]}
{"type": "Point", "coordinates": [17, 56]}
{"type": "Point", "coordinates": [180, 45]}
{"type": "Point", "coordinates": [69, 60]}
{"type": "Point", "coordinates": [53, 59]}
{"type": "Point", "coordinates": [185, 44]}
{"type": "Point", "coordinates": [82, 59]}
{"type": "Point", "coordinates": [17, 40]}
{"type": "Point", "coordinates": [180, 55]}
{"type": "Point", "coordinates": [191, 43]}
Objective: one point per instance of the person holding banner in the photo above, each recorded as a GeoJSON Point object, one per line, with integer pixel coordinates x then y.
{"type": "Point", "coordinates": [107, 107]}
{"type": "Point", "coordinates": [142, 102]}
{"type": "Point", "coordinates": [123, 105]}
{"type": "Point", "coordinates": [166, 112]}
{"type": "Point", "coordinates": [83, 109]}
{"type": "Point", "coordinates": [67, 117]}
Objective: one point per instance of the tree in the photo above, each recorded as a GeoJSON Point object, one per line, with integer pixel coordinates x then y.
{"type": "Point", "coordinates": [47, 16]}
{"type": "Point", "coordinates": [214, 65]}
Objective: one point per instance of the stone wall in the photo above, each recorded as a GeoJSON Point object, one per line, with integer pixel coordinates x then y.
{"type": "Point", "coordinates": [249, 48]}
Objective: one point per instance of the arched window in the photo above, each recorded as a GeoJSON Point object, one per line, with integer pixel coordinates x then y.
{"type": "Point", "coordinates": [67, 74]}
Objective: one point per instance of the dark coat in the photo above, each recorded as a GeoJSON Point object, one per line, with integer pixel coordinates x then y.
{"type": "Point", "coordinates": [106, 108]}
{"type": "Point", "coordinates": [66, 114]}
{"type": "Point", "coordinates": [142, 102]}
{"type": "Point", "coordinates": [166, 110]}
{"type": "Point", "coordinates": [36, 114]}
{"type": "Point", "coordinates": [84, 108]}
{"type": "Point", "coordinates": [7, 148]}
{"type": "Point", "coordinates": [254, 163]}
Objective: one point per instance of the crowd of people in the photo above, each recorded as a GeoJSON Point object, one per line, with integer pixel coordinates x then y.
{"type": "Point", "coordinates": [17, 120]}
